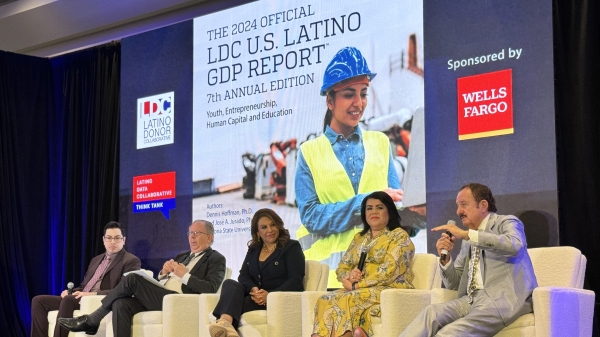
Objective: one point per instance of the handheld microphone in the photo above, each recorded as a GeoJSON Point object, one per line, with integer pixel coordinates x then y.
{"type": "Point", "coordinates": [363, 257]}
{"type": "Point", "coordinates": [70, 288]}
{"type": "Point", "coordinates": [444, 252]}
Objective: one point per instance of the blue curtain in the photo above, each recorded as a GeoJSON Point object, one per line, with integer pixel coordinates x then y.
{"type": "Point", "coordinates": [25, 104]}
{"type": "Point", "coordinates": [59, 123]}
{"type": "Point", "coordinates": [59, 164]}
{"type": "Point", "coordinates": [84, 149]}
{"type": "Point", "coordinates": [577, 74]}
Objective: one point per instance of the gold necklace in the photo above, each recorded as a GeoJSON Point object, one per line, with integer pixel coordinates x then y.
{"type": "Point", "coordinates": [266, 248]}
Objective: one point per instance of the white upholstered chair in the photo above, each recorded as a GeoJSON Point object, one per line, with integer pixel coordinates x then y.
{"type": "Point", "coordinates": [87, 305]}
{"type": "Point", "coordinates": [396, 311]}
{"type": "Point", "coordinates": [179, 317]}
{"type": "Point", "coordinates": [283, 315]}
{"type": "Point", "coordinates": [561, 307]}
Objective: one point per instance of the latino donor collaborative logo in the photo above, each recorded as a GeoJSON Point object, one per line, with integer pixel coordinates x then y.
{"type": "Point", "coordinates": [485, 106]}
{"type": "Point", "coordinates": [155, 120]}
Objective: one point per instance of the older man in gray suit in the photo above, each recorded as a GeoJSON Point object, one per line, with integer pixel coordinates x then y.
{"type": "Point", "coordinates": [492, 273]}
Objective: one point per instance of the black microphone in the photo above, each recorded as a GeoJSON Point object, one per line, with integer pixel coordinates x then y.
{"type": "Point", "coordinates": [363, 257]}
{"type": "Point", "coordinates": [444, 253]}
{"type": "Point", "coordinates": [70, 288]}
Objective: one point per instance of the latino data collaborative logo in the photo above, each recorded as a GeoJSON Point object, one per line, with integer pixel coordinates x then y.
{"type": "Point", "coordinates": [154, 192]}
{"type": "Point", "coordinates": [485, 106]}
{"type": "Point", "coordinates": [156, 120]}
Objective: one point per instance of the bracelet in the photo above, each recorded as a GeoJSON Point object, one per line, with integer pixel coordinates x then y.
{"type": "Point", "coordinates": [354, 286]}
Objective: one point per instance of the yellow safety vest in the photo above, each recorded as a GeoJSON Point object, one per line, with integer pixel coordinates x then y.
{"type": "Point", "coordinates": [333, 185]}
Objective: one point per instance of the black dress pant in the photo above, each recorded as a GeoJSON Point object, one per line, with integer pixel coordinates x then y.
{"type": "Point", "coordinates": [234, 302]}
{"type": "Point", "coordinates": [132, 295]}
{"type": "Point", "coordinates": [42, 304]}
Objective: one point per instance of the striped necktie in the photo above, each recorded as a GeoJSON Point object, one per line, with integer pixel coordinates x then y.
{"type": "Point", "coordinates": [185, 262]}
{"type": "Point", "coordinates": [98, 274]}
{"type": "Point", "coordinates": [473, 264]}
{"type": "Point", "coordinates": [188, 259]}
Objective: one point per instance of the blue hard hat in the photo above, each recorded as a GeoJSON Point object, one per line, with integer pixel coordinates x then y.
{"type": "Point", "coordinates": [347, 63]}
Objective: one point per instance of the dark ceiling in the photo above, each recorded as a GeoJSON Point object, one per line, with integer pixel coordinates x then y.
{"type": "Point", "coordinates": [51, 27]}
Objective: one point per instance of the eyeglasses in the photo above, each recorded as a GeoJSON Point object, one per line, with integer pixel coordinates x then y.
{"type": "Point", "coordinates": [195, 233]}
{"type": "Point", "coordinates": [110, 238]}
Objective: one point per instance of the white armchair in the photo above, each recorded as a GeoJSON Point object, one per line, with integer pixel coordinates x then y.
{"type": "Point", "coordinates": [283, 315]}
{"type": "Point", "coordinates": [179, 317]}
{"type": "Point", "coordinates": [398, 305]}
{"type": "Point", "coordinates": [396, 311]}
{"type": "Point", "coordinates": [561, 307]}
{"type": "Point", "coordinates": [87, 305]}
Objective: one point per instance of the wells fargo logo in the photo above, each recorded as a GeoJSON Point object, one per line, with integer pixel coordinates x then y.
{"type": "Point", "coordinates": [485, 107]}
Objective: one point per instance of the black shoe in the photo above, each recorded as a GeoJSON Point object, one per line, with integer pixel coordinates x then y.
{"type": "Point", "coordinates": [78, 324]}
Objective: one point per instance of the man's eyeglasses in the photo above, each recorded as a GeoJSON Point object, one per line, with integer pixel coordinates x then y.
{"type": "Point", "coordinates": [110, 238]}
{"type": "Point", "coordinates": [195, 233]}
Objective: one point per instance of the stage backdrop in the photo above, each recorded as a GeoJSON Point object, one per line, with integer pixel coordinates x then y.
{"type": "Point", "coordinates": [257, 71]}
{"type": "Point", "coordinates": [156, 108]}
{"type": "Point", "coordinates": [490, 110]}
{"type": "Point", "coordinates": [215, 110]}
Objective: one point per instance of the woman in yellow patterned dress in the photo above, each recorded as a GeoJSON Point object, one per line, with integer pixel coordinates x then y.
{"type": "Point", "coordinates": [347, 312]}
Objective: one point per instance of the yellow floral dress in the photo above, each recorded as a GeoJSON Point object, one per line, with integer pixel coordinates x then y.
{"type": "Point", "coordinates": [387, 266]}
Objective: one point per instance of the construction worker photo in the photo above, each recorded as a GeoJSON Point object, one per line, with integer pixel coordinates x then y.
{"type": "Point", "coordinates": [338, 169]}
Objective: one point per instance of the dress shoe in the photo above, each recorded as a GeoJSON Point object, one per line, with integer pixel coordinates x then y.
{"type": "Point", "coordinates": [360, 332]}
{"type": "Point", "coordinates": [78, 324]}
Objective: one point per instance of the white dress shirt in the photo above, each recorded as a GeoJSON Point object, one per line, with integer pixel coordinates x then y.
{"type": "Point", "coordinates": [173, 282]}
{"type": "Point", "coordinates": [474, 240]}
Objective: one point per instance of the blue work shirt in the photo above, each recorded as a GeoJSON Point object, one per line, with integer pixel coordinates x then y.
{"type": "Point", "coordinates": [337, 217]}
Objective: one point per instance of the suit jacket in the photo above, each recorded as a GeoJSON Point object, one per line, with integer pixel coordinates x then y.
{"type": "Point", "coordinates": [207, 274]}
{"type": "Point", "coordinates": [123, 262]}
{"type": "Point", "coordinates": [283, 270]}
{"type": "Point", "coordinates": [507, 272]}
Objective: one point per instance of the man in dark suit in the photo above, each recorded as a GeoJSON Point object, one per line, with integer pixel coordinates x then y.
{"type": "Point", "coordinates": [197, 271]}
{"type": "Point", "coordinates": [103, 274]}
{"type": "Point", "coordinates": [492, 272]}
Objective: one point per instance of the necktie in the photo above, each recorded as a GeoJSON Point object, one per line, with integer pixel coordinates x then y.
{"type": "Point", "coordinates": [97, 274]}
{"type": "Point", "coordinates": [188, 259]}
{"type": "Point", "coordinates": [185, 262]}
{"type": "Point", "coordinates": [472, 268]}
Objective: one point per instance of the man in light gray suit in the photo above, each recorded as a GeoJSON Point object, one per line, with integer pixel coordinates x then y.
{"type": "Point", "coordinates": [492, 272]}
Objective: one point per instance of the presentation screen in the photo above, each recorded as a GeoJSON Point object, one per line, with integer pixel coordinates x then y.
{"type": "Point", "coordinates": [228, 113]}
{"type": "Point", "coordinates": [490, 110]}
{"type": "Point", "coordinates": [155, 178]}
{"type": "Point", "coordinates": [258, 113]}
{"type": "Point", "coordinates": [219, 114]}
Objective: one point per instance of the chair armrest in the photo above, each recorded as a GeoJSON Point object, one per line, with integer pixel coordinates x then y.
{"type": "Point", "coordinates": [399, 307]}
{"type": "Point", "coordinates": [562, 311]}
{"type": "Point", "coordinates": [284, 313]}
{"type": "Point", "coordinates": [206, 305]}
{"type": "Point", "coordinates": [309, 299]}
{"type": "Point", "coordinates": [89, 304]}
{"type": "Point", "coordinates": [441, 295]}
{"type": "Point", "coordinates": [180, 315]}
